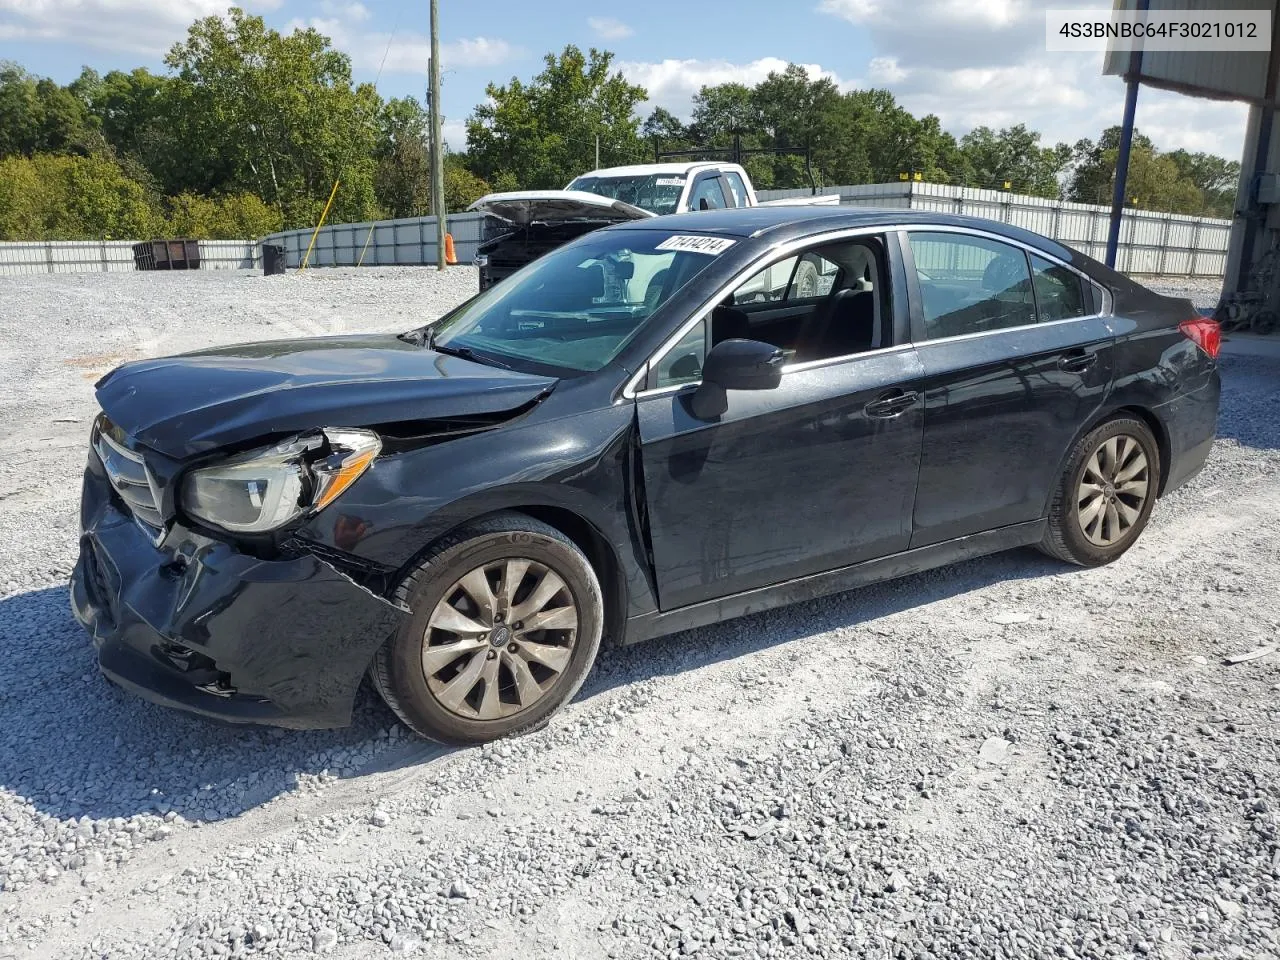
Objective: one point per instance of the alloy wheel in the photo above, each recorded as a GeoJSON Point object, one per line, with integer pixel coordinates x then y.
{"type": "Point", "coordinates": [499, 639]}
{"type": "Point", "coordinates": [1113, 490]}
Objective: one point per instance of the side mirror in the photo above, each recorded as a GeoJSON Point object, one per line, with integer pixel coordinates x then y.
{"type": "Point", "coordinates": [735, 365]}
{"type": "Point", "coordinates": [704, 204]}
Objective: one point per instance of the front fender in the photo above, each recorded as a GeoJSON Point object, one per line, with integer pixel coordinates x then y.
{"type": "Point", "coordinates": [580, 464]}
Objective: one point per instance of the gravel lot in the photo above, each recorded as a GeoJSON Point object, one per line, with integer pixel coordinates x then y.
{"type": "Point", "coordinates": [1006, 758]}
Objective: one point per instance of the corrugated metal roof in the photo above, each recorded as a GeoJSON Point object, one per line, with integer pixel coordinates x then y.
{"type": "Point", "coordinates": [1223, 76]}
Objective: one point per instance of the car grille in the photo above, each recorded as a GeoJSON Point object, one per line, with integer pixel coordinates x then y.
{"type": "Point", "coordinates": [131, 480]}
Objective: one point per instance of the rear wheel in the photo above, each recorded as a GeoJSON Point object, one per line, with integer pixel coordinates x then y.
{"type": "Point", "coordinates": [506, 622]}
{"type": "Point", "coordinates": [1106, 494]}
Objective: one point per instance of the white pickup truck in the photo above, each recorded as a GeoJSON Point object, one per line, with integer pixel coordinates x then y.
{"type": "Point", "coordinates": [531, 222]}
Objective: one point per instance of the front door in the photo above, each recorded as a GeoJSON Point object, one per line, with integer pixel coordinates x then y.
{"type": "Point", "coordinates": [813, 475]}
{"type": "Point", "coordinates": [1015, 363]}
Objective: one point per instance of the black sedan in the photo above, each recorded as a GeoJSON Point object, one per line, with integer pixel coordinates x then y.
{"type": "Point", "coordinates": [660, 425]}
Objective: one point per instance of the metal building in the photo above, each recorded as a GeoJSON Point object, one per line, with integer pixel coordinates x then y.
{"type": "Point", "coordinates": [1251, 293]}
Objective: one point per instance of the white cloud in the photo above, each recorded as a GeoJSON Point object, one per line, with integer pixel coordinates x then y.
{"type": "Point", "coordinates": [354, 12]}
{"type": "Point", "coordinates": [985, 64]}
{"type": "Point", "coordinates": [146, 27]}
{"type": "Point", "coordinates": [674, 83]}
{"type": "Point", "coordinates": [407, 52]}
{"type": "Point", "coordinates": [455, 134]}
{"type": "Point", "coordinates": [607, 28]}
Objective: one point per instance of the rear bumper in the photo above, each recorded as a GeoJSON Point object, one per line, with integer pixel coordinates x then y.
{"type": "Point", "coordinates": [196, 625]}
{"type": "Point", "coordinates": [1192, 423]}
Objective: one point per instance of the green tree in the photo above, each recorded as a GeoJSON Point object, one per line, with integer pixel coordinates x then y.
{"type": "Point", "coordinates": [38, 116]}
{"type": "Point", "coordinates": [664, 129]}
{"type": "Point", "coordinates": [402, 178]}
{"type": "Point", "coordinates": [133, 113]}
{"type": "Point", "coordinates": [1014, 156]}
{"type": "Point", "coordinates": [221, 218]}
{"type": "Point", "coordinates": [461, 187]}
{"type": "Point", "coordinates": [50, 197]}
{"type": "Point", "coordinates": [543, 133]}
{"type": "Point", "coordinates": [1217, 178]}
{"type": "Point", "coordinates": [271, 114]}
{"type": "Point", "coordinates": [1155, 181]}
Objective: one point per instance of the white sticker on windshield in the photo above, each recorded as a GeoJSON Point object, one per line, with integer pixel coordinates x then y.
{"type": "Point", "coordinates": [711, 246]}
{"type": "Point", "coordinates": [670, 181]}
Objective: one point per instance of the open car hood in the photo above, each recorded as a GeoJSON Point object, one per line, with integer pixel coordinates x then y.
{"type": "Point", "coordinates": [528, 206]}
{"type": "Point", "coordinates": [197, 402]}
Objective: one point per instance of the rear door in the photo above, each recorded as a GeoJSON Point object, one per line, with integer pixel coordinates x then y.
{"type": "Point", "coordinates": [1015, 362]}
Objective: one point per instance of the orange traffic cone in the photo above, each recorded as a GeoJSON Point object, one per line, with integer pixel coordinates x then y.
{"type": "Point", "coordinates": [449, 256]}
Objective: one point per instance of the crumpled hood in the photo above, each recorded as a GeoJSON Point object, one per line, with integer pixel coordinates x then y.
{"type": "Point", "coordinates": [526, 206]}
{"type": "Point", "coordinates": [197, 402]}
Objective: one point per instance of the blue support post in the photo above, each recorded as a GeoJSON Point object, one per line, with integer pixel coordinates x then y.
{"type": "Point", "coordinates": [1132, 78]}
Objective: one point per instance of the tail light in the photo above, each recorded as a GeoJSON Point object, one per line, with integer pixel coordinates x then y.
{"type": "Point", "coordinates": [1204, 333]}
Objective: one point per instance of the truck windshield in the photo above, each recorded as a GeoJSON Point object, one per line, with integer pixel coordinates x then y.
{"type": "Point", "coordinates": [658, 193]}
{"type": "Point", "coordinates": [574, 309]}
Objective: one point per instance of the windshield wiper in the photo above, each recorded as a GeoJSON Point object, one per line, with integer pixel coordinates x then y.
{"type": "Point", "coordinates": [466, 353]}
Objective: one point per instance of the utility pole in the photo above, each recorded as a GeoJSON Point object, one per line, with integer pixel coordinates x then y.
{"type": "Point", "coordinates": [437, 140]}
{"type": "Point", "coordinates": [597, 151]}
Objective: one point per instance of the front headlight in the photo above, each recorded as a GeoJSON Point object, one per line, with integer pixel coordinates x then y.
{"type": "Point", "coordinates": [266, 488]}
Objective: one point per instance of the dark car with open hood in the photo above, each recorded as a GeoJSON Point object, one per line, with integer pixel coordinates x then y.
{"type": "Point", "coordinates": [659, 425]}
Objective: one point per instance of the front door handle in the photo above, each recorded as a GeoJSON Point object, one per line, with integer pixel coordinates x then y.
{"type": "Point", "coordinates": [891, 404]}
{"type": "Point", "coordinates": [1078, 361]}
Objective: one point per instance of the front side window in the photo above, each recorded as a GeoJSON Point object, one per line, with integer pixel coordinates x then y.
{"type": "Point", "coordinates": [839, 311]}
{"type": "Point", "coordinates": [1059, 291]}
{"type": "Point", "coordinates": [683, 362]}
{"type": "Point", "coordinates": [971, 284]}
{"type": "Point", "coordinates": [574, 309]}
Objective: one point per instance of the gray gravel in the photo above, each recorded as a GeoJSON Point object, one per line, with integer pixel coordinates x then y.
{"type": "Point", "coordinates": [1201, 291]}
{"type": "Point", "coordinates": [1005, 758]}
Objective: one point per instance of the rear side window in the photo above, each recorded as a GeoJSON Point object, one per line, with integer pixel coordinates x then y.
{"type": "Point", "coordinates": [737, 189]}
{"type": "Point", "coordinates": [971, 284]}
{"type": "Point", "coordinates": [1060, 292]}
{"type": "Point", "coordinates": [707, 189]}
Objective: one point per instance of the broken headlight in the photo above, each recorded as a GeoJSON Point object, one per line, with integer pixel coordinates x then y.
{"type": "Point", "coordinates": [264, 489]}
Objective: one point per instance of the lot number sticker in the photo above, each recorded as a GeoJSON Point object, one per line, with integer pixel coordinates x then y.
{"type": "Point", "coordinates": [711, 246]}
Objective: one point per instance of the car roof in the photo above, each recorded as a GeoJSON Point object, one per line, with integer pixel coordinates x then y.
{"type": "Point", "coordinates": [783, 222]}
{"type": "Point", "coordinates": [645, 169]}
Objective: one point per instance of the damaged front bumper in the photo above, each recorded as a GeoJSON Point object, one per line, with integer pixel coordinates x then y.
{"type": "Point", "coordinates": [197, 625]}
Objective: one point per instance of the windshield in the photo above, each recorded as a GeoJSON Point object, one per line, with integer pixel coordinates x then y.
{"type": "Point", "coordinates": [574, 309]}
{"type": "Point", "coordinates": [658, 193]}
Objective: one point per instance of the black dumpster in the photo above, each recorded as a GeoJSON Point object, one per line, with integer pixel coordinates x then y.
{"type": "Point", "coordinates": [272, 259]}
{"type": "Point", "coordinates": [167, 255]}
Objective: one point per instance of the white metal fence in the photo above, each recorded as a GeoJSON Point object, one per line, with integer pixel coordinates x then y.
{"type": "Point", "coordinates": [381, 243]}
{"type": "Point", "coordinates": [1163, 244]}
{"type": "Point", "coordinates": [112, 256]}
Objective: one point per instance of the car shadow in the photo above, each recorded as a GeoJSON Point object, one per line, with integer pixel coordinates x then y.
{"type": "Point", "coordinates": [77, 746]}
{"type": "Point", "coordinates": [693, 649]}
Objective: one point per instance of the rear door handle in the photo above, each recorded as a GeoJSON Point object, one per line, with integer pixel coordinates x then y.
{"type": "Point", "coordinates": [891, 404]}
{"type": "Point", "coordinates": [1078, 361]}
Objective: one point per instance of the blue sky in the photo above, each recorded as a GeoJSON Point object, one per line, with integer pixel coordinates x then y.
{"type": "Point", "coordinates": [969, 61]}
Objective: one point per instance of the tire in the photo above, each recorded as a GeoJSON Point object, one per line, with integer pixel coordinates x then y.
{"type": "Point", "coordinates": [493, 696]}
{"type": "Point", "coordinates": [806, 280]}
{"type": "Point", "coordinates": [1076, 533]}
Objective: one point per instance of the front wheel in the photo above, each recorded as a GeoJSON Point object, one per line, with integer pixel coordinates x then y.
{"type": "Point", "coordinates": [505, 625]}
{"type": "Point", "coordinates": [1106, 494]}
